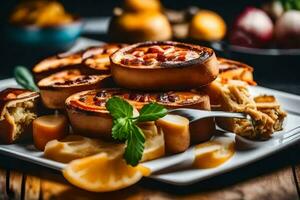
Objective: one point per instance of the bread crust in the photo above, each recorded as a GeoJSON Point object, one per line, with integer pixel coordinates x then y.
{"type": "Point", "coordinates": [10, 98]}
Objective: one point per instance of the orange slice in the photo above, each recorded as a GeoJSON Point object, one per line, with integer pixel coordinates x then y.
{"type": "Point", "coordinates": [74, 146]}
{"type": "Point", "coordinates": [214, 153]}
{"type": "Point", "coordinates": [103, 172]}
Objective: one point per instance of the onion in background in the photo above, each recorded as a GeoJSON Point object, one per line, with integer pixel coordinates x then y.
{"type": "Point", "coordinates": [287, 30]}
{"type": "Point", "coordinates": [253, 28]}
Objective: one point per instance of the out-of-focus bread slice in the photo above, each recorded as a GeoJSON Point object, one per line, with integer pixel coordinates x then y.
{"type": "Point", "coordinates": [17, 111]}
{"type": "Point", "coordinates": [229, 70]}
{"type": "Point", "coordinates": [234, 70]}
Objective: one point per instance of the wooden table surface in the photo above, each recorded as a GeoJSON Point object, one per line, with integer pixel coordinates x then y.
{"type": "Point", "coordinates": [276, 177]}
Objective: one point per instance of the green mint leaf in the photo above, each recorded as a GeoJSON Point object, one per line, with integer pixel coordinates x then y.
{"type": "Point", "coordinates": [121, 127]}
{"type": "Point", "coordinates": [119, 108]}
{"type": "Point", "coordinates": [135, 146]}
{"type": "Point", "coordinates": [24, 78]}
{"type": "Point", "coordinates": [152, 112]}
{"type": "Point", "coordinates": [125, 128]}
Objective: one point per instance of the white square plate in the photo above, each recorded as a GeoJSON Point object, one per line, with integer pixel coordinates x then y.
{"type": "Point", "coordinates": [289, 102]}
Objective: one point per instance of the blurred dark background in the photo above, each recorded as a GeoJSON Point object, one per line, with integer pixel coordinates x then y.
{"type": "Point", "coordinates": [276, 72]}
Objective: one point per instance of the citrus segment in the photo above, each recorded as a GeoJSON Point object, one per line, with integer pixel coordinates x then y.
{"type": "Point", "coordinates": [103, 173]}
{"type": "Point", "coordinates": [213, 153]}
{"type": "Point", "coordinates": [75, 146]}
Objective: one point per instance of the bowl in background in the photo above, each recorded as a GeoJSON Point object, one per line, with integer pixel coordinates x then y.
{"type": "Point", "coordinates": [276, 66]}
{"type": "Point", "coordinates": [51, 37]}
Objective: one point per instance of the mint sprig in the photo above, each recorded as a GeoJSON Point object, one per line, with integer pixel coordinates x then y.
{"type": "Point", "coordinates": [24, 78]}
{"type": "Point", "coordinates": [125, 125]}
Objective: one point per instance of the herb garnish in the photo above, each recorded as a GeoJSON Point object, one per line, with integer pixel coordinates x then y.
{"type": "Point", "coordinates": [24, 78]}
{"type": "Point", "coordinates": [125, 125]}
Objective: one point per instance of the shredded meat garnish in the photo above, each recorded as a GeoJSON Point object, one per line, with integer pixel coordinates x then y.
{"type": "Point", "coordinates": [264, 111]}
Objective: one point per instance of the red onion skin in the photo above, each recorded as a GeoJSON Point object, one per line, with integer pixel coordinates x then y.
{"type": "Point", "coordinates": [287, 30]}
{"type": "Point", "coordinates": [252, 28]}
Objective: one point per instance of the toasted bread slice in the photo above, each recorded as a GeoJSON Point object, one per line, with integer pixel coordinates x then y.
{"type": "Point", "coordinates": [55, 64]}
{"type": "Point", "coordinates": [234, 70]}
{"type": "Point", "coordinates": [90, 61]}
{"type": "Point", "coordinates": [56, 88]}
{"type": "Point", "coordinates": [228, 70]}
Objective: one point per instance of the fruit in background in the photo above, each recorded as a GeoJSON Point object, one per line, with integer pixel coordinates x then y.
{"type": "Point", "coordinates": [252, 28]}
{"type": "Point", "coordinates": [287, 30]}
{"type": "Point", "coordinates": [274, 9]}
{"type": "Point", "coordinates": [49, 127]}
{"type": "Point", "coordinates": [208, 26]}
{"type": "Point", "coordinates": [142, 6]}
{"type": "Point", "coordinates": [41, 14]}
{"type": "Point", "coordinates": [142, 26]}
{"type": "Point", "coordinates": [139, 21]}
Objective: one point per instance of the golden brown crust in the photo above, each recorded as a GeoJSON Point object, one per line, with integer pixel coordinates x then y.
{"type": "Point", "coordinates": [194, 66]}
{"type": "Point", "coordinates": [11, 127]}
{"type": "Point", "coordinates": [234, 70]}
{"type": "Point", "coordinates": [230, 70]}
{"type": "Point", "coordinates": [56, 88]}
{"type": "Point", "coordinates": [96, 59]}
{"type": "Point", "coordinates": [11, 95]}
{"type": "Point", "coordinates": [93, 60]}
{"type": "Point", "coordinates": [55, 64]}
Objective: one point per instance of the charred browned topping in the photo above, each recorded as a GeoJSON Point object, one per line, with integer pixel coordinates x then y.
{"type": "Point", "coordinates": [168, 97]}
{"type": "Point", "coordinates": [227, 65]}
{"type": "Point", "coordinates": [59, 61]}
{"type": "Point", "coordinates": [98, 57]}
{"type": "Point", "coordinates": [150, 55]}
{"type": "Point", "coordinates": [78, 80]}
{"type": "Point", "coordinates": [101, 50]}
{"type": "Point", "coordinates": [92, 56]}
{"type": "Point", "coordinates": [69, 78]}
{"type": "Point", "coordinates": [89, 100]}
{"type": "Point", "coordinates": [14, 93]}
